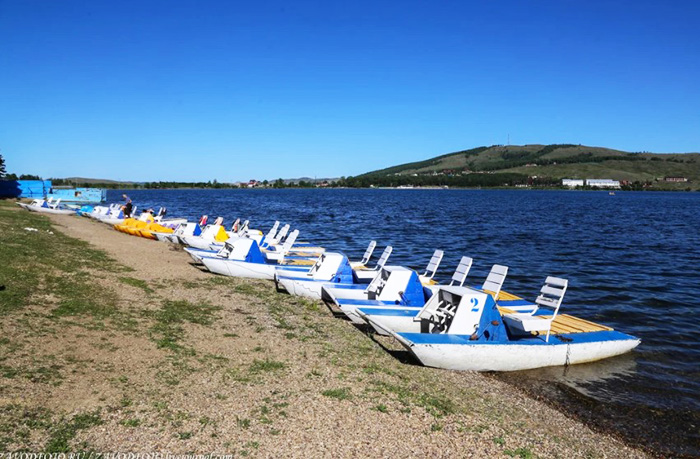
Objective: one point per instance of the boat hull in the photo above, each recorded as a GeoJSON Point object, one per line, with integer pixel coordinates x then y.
{"type": "Point", "coordinates": [48, 210]}
{"type": "Point", "coordinates": [234, 268]}
{"type": "Point", "coordinates": [512, 356]}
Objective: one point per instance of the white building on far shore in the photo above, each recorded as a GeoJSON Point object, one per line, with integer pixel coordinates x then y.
{"type": "Point", "coordinates": [603, 183]}
{"type": "Point", "coordinates": [571, 183]}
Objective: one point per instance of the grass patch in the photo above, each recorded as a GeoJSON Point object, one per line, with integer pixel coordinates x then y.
{"type": "Point", "coordinates": [262, 366]}
{"type": "Point", "coordinates": [167, 332]}
{"type": "Point", "coordinates": [138, 283]}
{"type": "Point", "coordinates": [382, 408]}
{"type": "Point", "coordinates": [63, 432]}
{"type": "Point", "coordinates": [80, 298]}
{"type": "Point", "coordinates": [131, 422]}
{"type": "Point", "coordinates": [523, 453]}
{"type": "Point", "coordinates": [340, 394]}
{"type": "Point", "coordinates": [33, 263]}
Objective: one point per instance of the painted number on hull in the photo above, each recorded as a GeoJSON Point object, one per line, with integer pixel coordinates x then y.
{"type": "Point", "coordinates": [475, 304]}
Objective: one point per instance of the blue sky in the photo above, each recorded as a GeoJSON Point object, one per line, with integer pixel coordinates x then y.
{"type": "Point", "coordinates": [198, 90]}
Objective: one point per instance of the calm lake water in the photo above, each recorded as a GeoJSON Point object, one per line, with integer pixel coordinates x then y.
{"type": "Point", "coordinates": [632, 260]}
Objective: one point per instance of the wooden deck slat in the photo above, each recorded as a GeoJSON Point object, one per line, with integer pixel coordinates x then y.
{"type": "Point", "coordinates": [565, 323]}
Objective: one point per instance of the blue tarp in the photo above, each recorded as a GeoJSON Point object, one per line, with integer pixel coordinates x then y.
{"type": "Point", "coordinates": [9, 189]}
{"type": "Point", "coordinates": [24, 188]}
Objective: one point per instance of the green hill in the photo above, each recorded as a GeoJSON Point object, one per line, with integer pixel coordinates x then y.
{"type": "Point", "coordinates": [545, 165]}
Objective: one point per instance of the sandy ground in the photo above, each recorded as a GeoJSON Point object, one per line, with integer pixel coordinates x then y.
{"type": "Point", "coordinates": [270, 376]}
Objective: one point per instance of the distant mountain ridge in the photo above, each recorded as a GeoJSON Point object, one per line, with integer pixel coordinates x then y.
{"type": "Point", "coordinates": [554, 162]}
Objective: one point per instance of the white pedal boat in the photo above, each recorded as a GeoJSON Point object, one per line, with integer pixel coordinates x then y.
{"type": "Point", "coordinates": [401, 317]}
{"type": "Point", "coordinates": [47, 207]}
{"type": "Point", "coordinates": [393, 286]}
{"type": "Point", "coordinates": [243, 258]}
{"type": "Point", "coordinates": [210, 234]}
{"type": "Point", "coordinates": [330, 267]}
{"type": "Point", "coordinates": [463, 329]}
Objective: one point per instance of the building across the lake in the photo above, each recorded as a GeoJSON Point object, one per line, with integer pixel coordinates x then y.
{"type": "Point", "coordinates": [675, 179]}
{"type": "Point", "coordinates": [572, 183]}
{"type": "Point", "coordinates": [603, 183]}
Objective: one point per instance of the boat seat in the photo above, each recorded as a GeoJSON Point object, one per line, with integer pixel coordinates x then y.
{"type": "Point", "coordinates": [461, 272]}
{"type": "Point", "coordinates": [368, 252]}
{"type": "Point", "coordinates": [494, 281]}
{"type": "Point", "coordinates": [432, 267]}
{"type": "Point", "coordinates": [550, 297]}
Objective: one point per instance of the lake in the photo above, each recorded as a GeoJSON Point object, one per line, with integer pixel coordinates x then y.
{"type": "Point", "coordinates": [632, 261]}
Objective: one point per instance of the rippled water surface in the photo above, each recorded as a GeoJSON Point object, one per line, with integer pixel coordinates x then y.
{"type": "Point", "coordinates": [632, 260]}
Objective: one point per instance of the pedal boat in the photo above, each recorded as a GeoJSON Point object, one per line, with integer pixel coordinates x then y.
{"type": "Point", "coordinates": [461, 328]}
{"type": "Point", "coordinates": [47, 207]}
{"type": "Point", "coordinates": [242, 258]}
{"type": "Point", "coordinates": [393, 286]}
{"type": "Point", "coordinates": [329, 268]}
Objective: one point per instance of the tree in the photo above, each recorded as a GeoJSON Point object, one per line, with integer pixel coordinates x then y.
{"type": "Point", "coordinates": [2, 167]}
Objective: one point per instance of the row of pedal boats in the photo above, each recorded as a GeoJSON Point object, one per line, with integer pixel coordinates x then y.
{"type": "Point", "coordinates": [460, 325]}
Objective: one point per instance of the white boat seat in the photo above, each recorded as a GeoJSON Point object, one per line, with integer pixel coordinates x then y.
{"type": "Point", "coordinates": [368, 252]}
{"type": "Point", "coordinates": [494, 281]}
{"type": "Point", "coordinates": [433, 266]}
{"type": "Point", "coordinates": [383, 259]}
{"type": "Point", "coordinates": [271, 234]}
{"type": "Point", "coordinates": [550, 297]}
{"type": "Point", "coordinates": [461, 272]}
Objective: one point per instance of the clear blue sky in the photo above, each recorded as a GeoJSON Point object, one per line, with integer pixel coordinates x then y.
{"type": "Point", "coordinates": [197, 90]}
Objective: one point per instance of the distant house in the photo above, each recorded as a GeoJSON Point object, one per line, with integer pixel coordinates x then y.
{"type": "Point", "coordinates": [571, 183]}
{"type": "Point", "coordinates": [675, 179]}
{"type": "Point", "coordinates": [253, 184]}
{"type": "Point", "coordinates": [603, 183]}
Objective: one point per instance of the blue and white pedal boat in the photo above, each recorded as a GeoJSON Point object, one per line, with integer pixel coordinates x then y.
{"type": "Point", "coordinates": [330, 268]}
{"type": "Point", "coordinates": [393, 286]}
{"type": "Point", "coordinates": [402, 317]}
{"type": "Point", "coordinates": [47, 207]}
{"type": "Point", "coordinates": [463, 329]}
{"type": "Point", "coordinates": [243, 258]}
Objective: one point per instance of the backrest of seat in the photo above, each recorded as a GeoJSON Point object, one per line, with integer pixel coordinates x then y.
{"type": "Point", "coordinates": [494, 281]}
{"type": "Point", "coordinates": [377, 284]}
{"type": "Point", "coordinates": [552, 293]}
{"type": "Point", "coordinates": [291, 239]}
{"type": "Point", "coordinates": [282, 233]}
{"type": "Point", "coordinates": [219, 220]}
{"type": "Point", "coordinates": [462, 271]}
{"type": "Point", "coordinates": [368, 252]}
{"type": "Point", "coordinates": [270, 234]}
{"type": "Point", "coordinates": [433, 264]}
{"type": "Point", "coordinates": [385, 256]}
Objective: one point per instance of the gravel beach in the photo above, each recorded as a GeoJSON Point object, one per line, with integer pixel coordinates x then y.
{"type": "Point", "coordinates": [183, 361]}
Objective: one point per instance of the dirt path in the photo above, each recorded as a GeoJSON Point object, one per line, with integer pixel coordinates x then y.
{"type": "Point", "coordinates": [192, 362]}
